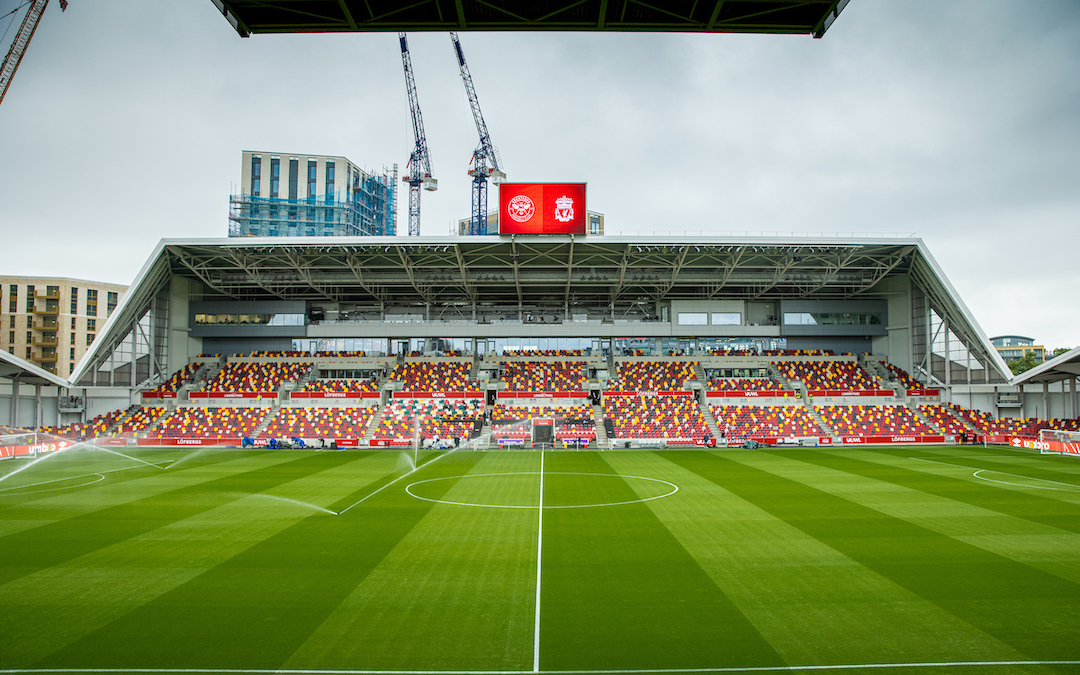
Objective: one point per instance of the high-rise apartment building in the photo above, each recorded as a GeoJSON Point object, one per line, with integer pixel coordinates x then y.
{"type": "Point", "coordinates": [51, 321]}
{"type": "Point", "coordinates": [295, 195]}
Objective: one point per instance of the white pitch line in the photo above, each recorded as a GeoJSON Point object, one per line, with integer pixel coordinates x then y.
{"type": "Point", "coordinates": [627, 671]}
{"type": "Point", "coordinates": [134, 459]}
{"type": "Point", "coordinates": [404, 475]}
{"type": "Point", "coordinates": [539, 547]}
{"type": "Point", "coordinates": [978, 470]}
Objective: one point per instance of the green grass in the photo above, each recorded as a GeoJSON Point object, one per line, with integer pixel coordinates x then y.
{"type": "Point", "coordinates": [231, 559]}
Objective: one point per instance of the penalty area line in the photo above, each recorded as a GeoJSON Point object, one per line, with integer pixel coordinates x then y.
{"type": "Point", "coordinates": [628, 671]}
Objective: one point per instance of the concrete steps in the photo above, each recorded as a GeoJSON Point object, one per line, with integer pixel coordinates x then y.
{"type": "Point", "coordinates": [714, 429]}
{"type": "Point", "coordinates": [602, 440]}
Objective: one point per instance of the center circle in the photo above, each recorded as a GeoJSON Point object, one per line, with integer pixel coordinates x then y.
{"type": "Point", "coordinates": [416, 489]}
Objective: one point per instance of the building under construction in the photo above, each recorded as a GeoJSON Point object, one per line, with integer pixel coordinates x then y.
{"type": "Point", "coordinates": [286, 195]}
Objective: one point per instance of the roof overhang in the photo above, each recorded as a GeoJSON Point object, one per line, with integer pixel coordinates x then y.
{"type": "Point", "coordinates": [13, 367]}
{"type": "Point", "coordinates": [543, 272]}
{"type": "Point", "coordinates": [1064, 367]}
{"type": "Point", "coordinates": [805, 17]}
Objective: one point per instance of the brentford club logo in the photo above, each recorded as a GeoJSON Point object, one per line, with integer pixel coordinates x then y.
{"type": "Point", "coordinates": [521, 208]}
{"type": "Point", "coordinates": [564, 209]}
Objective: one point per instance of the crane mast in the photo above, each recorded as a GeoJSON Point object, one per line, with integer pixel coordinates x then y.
{"type": "Point", "coordinates": [418, 170]}
{"type": "Point", "coordinates": [22, 40]}
{"type": "Point", "coordinates": [485, 161]}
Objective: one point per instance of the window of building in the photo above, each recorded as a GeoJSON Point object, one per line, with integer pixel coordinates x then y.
{"type": "Point", "coordinates": [275, 177]}
{"type": "Point", "coordinates": [726, 319]}
{"type": "Point", "coordinates": [11, 321]}
{"type": "Point", "coordinates": [11, 337]}
{"type": "Point", "coordinates": [29, 337]}
{"type": "Point", "coordinates": [29, 354]}
{"type": "Point", "coordinates": [294, 177]}
{"type": "Point", "coordinates": [256, 175]}
{"type": "Point", "coordinates": [72, 323]}
{"type": "Point", "coordinates": [14, 296]}
{"type": "Point", "coordinates": [91, 302]}
{"type": "Point", "coordinates": [89, 338]}
{"type": "Point", "coordinates": [110, 303]}
{"type": "Point", "coordinates": [11, 350]}
{"type": "Point", "coordinates": [249, 319]}
{"type": "Point", "coordinates": [74, 300]}
{"type": "Point", "coordinates": [594, 224]}
{"type": "Point", "coordinates": [29, 299]}
{"type": "Point", "coordinates": [91, 324]}
{"type": "Point", "coordinates": [330, 180]}
{"type": "Point", "coordinates": [71, 367]}
{"type": "Point", "coordinates": [831, 319]}
{"type": "Point", "coordinates": [72, 353]}
{"type": "Point", "coordinates": [73, 338]}
{"type": "Point", "coordinates": [312, 172]}
{"type": "Point", "coordinates": [693, 319]}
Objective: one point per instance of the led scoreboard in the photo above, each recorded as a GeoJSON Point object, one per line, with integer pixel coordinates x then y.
{"type": "Point", "coordinates": [542, 208]}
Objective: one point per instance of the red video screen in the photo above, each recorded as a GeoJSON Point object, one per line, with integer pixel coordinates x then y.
{"type": "Point", "coordinates": [542, 208]}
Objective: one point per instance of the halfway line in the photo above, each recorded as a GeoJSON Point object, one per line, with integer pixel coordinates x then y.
{"type": "Point", "coordinates": [539, 546]}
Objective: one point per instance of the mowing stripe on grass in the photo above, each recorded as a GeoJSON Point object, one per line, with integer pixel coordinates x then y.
{"type": "Point", "coordinates": [812, 603]}
{"type": "Point", "coordinates": [255, 609]}
{"type": "Point", "coordinates": [539, 559]}
{"type": "Point", "coordinates": [456, 593]}
{"type": "Point", "coordinates": [1031, 610]}
{"type": "Point", "coordinates": [619, 591]}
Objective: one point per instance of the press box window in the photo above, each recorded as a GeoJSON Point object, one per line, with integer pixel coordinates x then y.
{"type": "Point", "coordinates": [693, 319]}
{"type": "Point", "coordinates": [831, 319]}
{"type": "Point", "coordinates": [249, 319]}
{"type": "Point", "coordinates": [726, 319]}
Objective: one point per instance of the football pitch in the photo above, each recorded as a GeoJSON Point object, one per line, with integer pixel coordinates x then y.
{"type": "Point", "coordinates": [928, 559]}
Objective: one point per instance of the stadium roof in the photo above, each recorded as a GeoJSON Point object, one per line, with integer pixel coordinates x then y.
{"type": "Point", "coordinates": [807, 17]}
{"type": "Point", "coordinates": [546, 272]}
{"type": "Point", "coordinates": [12, 366]}
{"type": "Point", "coordinates": [1064, 367]}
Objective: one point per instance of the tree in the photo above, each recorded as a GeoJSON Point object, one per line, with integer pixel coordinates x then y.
{"type": "Point", "coordinates": [1061, 350]}
{"type": "Point", "coordinates": [1023, 364]}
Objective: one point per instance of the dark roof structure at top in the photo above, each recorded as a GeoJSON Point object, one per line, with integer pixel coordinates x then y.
{"type": "Point", "coordinates": [804, 17]}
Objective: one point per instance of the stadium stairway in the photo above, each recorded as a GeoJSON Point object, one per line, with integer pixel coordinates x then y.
{"type": "Point", "coordinates": [148, 432]}
{"type": "Point", "coordinates": [271, 413]}
{"type": "Point", "coordinates": [601, 431]}
{"type": "Point", "coordinates": [925, 419]}
{"type": "Point", "coordinates": [709, 419]}
{"type": "Point", "coordinates": [816, 416]}
{"type": "Point", "coordinates": [372, 427]}
{"type": "Point", "coordinates": [775, 373]}
{"type": "Point", "coordinates": [699, 370]}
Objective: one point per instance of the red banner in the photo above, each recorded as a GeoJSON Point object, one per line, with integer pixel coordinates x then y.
{"type": "Point", "coordinates": [851, 392]}
{"type": "Point", "coordinates": [1033, 443]}
{"type": "Point", "coordinates": [924, 392]}
{"type": "Point", "coordinates": [543, 394]}
{"type": "Point", "coordinates": [334, 394]}
{"type": "Point", "coordinates": [542, 208]}
{"type": "Point", "coordinates": [751, 393]}
{"type": "Point", "coordinates": [386, 442]}
{"type": "Point", "coordinates": [438, 394]}
{"type": "Point", "coordinates": [189, 441]}
{"type": "Point", "coordinates": [24, 450]}
{"type": "Point", "coordinates": [159, 394]}
{"type": "Point", "coordinates": [648, 393]}
{"type": "Point", "coordinates": [847, 440]}
{"type": "Point", "coordinates": [233, 394]}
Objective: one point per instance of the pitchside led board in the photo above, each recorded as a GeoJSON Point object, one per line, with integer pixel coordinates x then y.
{"type": "Point", "coordinates": [542, 208]}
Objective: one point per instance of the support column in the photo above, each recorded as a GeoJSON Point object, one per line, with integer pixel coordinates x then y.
{"type": "Point", "coordinates": [1046, 400]}
{"type": "Point", "coordinates": [948, 357]}
{"type": "Point", "coordinates": [134, 351]}
{"type": "Point", "coordinates": [37, 406]}
{"type": "Point", "coordinates": [1072, 397]}
{"type": "Point", "coordinates": [14, 401]}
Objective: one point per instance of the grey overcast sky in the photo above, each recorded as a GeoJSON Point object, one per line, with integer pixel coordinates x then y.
{"type": "Point", "coordinates": [956, 120]}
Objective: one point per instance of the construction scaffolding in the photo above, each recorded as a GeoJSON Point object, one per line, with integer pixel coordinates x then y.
{"type": "Point", "coordinates": [367, 208]}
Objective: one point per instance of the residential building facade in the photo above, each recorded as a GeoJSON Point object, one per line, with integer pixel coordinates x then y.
{"type": "Point", "coordinates": [51, 321]}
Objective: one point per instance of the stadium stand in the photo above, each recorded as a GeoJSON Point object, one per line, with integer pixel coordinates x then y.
{"type": "Point", "coordinates": [210, 422]}
{"type": "Point", "coordinates": [343, 386]}
{"type": "Point", "coordinates": [874, 420]}
{"type": "Point", "coordinates": [440, 418]}
{"type": "Point", "coordinates": [828, 375]}
{"type": "Point", "coordinates": [319, 423]}
{"type": "Point", "coordinates": [657, 417]}
{"type": "Point", "coordinates": [433, 376]}
{"type": "Point", "coordinates": [539, 376]}
{"type": "Point", "coordinates": [95, 428]}
{"type": "Point", "coordinates": [138, 420]}
{"type": "Point", "coordinates": [745, 384]}
{"type": "Point", "coordinates": [178, 379]}
{"type": "Point", "coordinates": [741, 422]}
{"type": "Point", "coordinates": [940, 415]}
{"type": "Point", "coordinates": [256, 376]}
{"type": "Point", "coordinates": [653, 375]}
{"type": "Point", "coordinates": [904, 378]}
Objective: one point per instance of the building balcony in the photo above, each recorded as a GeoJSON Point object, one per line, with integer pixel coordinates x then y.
{"type": "Point", "coordinates": [46, 323]}
{"type": "Point", "coordinates": [47, 295]}
{"type": "Point", "coordinates": [49, 309]}
{"type": "Point", "coordinates": [44, 358]}
{"type": "Point", "coordinates": [46, 341]}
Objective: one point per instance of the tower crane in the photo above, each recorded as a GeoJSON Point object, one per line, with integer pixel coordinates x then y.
{"type": "Point", "coordinates": [418, 170]}
{"type": "Point", "coordinates": [22, 40]}
{"type": "Point", "coordinates": [485, 161]}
